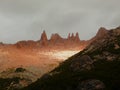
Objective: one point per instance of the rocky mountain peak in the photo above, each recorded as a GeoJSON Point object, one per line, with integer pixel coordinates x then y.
{"type": "Point", "coordinates": [101, 32]}
{"type": "Point", "coordinates": [108, 41]}
{"type": "Point", "coordinates": [55, 36]}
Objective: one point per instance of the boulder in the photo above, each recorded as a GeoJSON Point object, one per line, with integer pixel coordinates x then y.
{"type": "Point", "coordinates": [82, 63]}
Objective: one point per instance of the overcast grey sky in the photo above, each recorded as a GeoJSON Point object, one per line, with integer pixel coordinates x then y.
{"type": "Point", "coordinates": [25, 19]}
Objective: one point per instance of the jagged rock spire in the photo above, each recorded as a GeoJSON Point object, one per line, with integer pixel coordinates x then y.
{"type": "Point", "coordinates": [72, 35]}
{"type": "Point", "coordinates": [44, 38]}
{"type": "Point", "coordinates": [77, 37]}
{"type": "Point", "coordinates": [68, 36]}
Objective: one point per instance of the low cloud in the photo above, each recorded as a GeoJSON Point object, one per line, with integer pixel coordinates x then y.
{"type": "Point", "coordinates": [25, 19]}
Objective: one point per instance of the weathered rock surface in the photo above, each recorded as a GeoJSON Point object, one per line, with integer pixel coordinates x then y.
{"type": "Point", "coordinates": [91, 85]}
{"type": "Point", "coordinates": [82, 63]}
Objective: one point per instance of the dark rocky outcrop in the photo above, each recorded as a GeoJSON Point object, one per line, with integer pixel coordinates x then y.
{"type": "Point", "coordinates": [20, 70]}
{"type": "Point", "coordinates": [91, 85]}
{"type": "Point", "coordinates": [82, 63]}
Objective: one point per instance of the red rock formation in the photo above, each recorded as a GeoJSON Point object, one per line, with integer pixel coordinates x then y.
{"type": "Point", "coordinates": [101, 32]}
{"type": "Point", "coordinates": [77, 39]}
{"type": "Point", "coordinates": [72, 37]}
{"type": "Point", "coordinates": [68, 36]}
{"type": "Point", "coordinates": [44, 40]}
{"type": "Point", "coordinates": [55, 37]}
{"type": "Point", "coordinates": [98, 39]}
{"type": "Point", "coordinates": [56, 42]}
{"type": "Point", "coordinates": [26, 44]}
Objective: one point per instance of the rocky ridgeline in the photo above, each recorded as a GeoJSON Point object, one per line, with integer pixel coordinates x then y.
{"type": "Point", "coordinates": [56, 42]}
{"type": "Point", "coordinates": [73, 41]}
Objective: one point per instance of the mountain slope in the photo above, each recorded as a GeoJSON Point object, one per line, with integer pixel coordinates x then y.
{"type": "Point", "coordinates": [95, 68]}
{"type": "Point", "coordinates": [37, 57]}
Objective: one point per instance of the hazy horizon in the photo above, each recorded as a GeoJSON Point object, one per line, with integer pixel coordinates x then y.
{"type": "Point", "coordinates": [26, 19]}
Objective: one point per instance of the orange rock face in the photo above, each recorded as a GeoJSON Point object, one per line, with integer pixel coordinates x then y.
{"type": "Point", "coordinates": [44, 39]}
{"type": "Point", "coordinates": [56, 42]}
{"type": "Point", "coordinates": [41, 53]}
